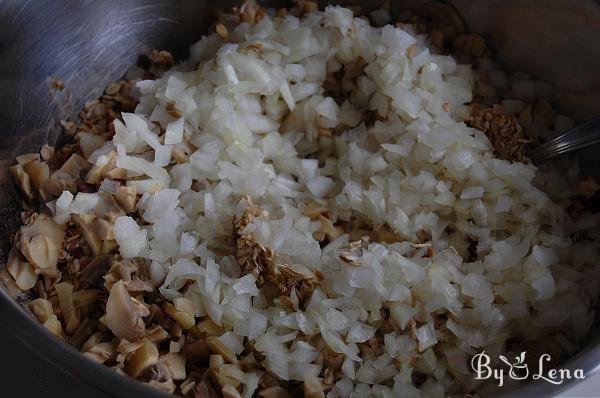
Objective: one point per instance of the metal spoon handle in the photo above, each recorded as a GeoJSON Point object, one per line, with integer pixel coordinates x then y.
{"type": "Point", "coordinates": [579, 137]}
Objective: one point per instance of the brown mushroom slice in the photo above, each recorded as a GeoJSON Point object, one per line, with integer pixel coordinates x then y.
{"type": "Point", "coordinates": [94, 339]}
{"type": "Point", "coordinates": [46, 226]}
{"type": "Point", "coordinates": [105, 229]}
{"type": "Point", "coordinates": [215, 362]}
{"type": "Point", "coordinates": [224, 380]}
{"type": "Point", "coordinates": [22, 272]}
{"type": "Point", "coordinates": [157, 334]}
{"type": "Point", "coordinates": [175, 363]}
{"type": "Point", "coordinates": [46, 152]}
{"type": "Point", "coordinates": [64, 291]}
{"type": "Point", "coordinates": [207, 327]}
{"type": "Point", "coordinates": [274, 392]}
{"type": "Point", "coordinates": [230, 392]}
{"type": "Point", "coordinates": [23, 181]}
{"type": "Point", "coordinates": [41, 308]}
{"type": "Point", "coordinates": [85, 225]}
{"type": "Point", "coordinates": [196, 351]}
{"type": "Point", "coordinates": [85, 297]}
{"type": "Point", "coordinates": [313, 388]}
{"type": "Point", "coordinates": [143, 358]}
{"type": "Point", "coordinates": [101, 352]}
{"type": "Point", "coordinates": [39, 174]}
{"type": "Point", "coordinates": [128, 347]}
{"type": "Point", "coordinates": [107, 207]}
{"type": "Point", "coordinates": [121, 317]}
{"type": "Point", "coordinates": [232, 372]}
{"type": "Point", "coordinates": [126, 197]}
{"type": "Point", "coordinates": [60, 181]}
{"type": "Point", "coordinates": [41, 251]}
{"type": "Point", "coordinates": [54, 326]}
{"type": "Point", "coordinates": [74, 166]}
{"type": "Point", "coordinates": [27, 158]}
{"type": "Point", "coordinates": [216, 345]}
{"type": "Point", "coordinates": [182, 310]}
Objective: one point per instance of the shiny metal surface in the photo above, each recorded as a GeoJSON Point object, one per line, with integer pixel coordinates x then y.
{"type": "Point", "coordinates": [89, 43]}
{"type": "Point", "coordinates": [577, 138]}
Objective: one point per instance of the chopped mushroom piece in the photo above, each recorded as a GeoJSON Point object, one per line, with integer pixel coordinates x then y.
{"type": "Point", "coordinates": [101, 352]}
{"type": "Point", "coordinates": [67, 306]}
{"type": "Point", "coordinates": [39, 174]}
{"type": "Point", "coordinates": [175, 363]}
{"type": "Point", "coordinates": [230, 392]}
{"type": "Point", "coordinates": [207, 327]}
{"type": "Point", "coordinates": [216, 345]}
{"type": "Point", "coordinates": [74, 166]}
{"type": "Point", "coordinates": [196, 351]}
{"type": "Point", "coordinates": [54, 326]}
{"type": "Point", "coordinates": [41, 308]}
{"type": "Point", "coordinates": [121, 317]}
{"type": "Point", "coordinates": [274, 392]}
{"type": "Point", "coordinates": [23, 181]}
{"type": "Point", "coordinates": [182, 310]}
{"type": "Point", "coordinates": [126, 197]}
{"type": "Point", "coordinates": [86, 225]}
{"type": "Point", "coordinates": [313, 388]}
{"type": "Point", "coordinates": [143, 358]}
{"type": "Point", "coordinates": [22, 272]}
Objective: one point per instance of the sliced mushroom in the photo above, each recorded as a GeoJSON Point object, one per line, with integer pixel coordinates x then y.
{"type": "Point", "coordinates": [23, 181]}
{"type": "Point", "coordinates": [85, 297]}
{"type": "Point", "coordinates": [39, 174]}
{"type": "Point", "coordinates": [157, 334]}
{"type": "Point", "coordinates": [46, 152]}
{"type": "Point", "coordinates": [58, 183]}
{"type": "Point", "coordinates": [107, 207]}
{"type": "Point", "coordinates": [196, 351]}
{"type": "Point", "coordinates": [313, 388]}
{"type": "Point", "coordinates": [127, 347]}
{"type": "Point", "coordinates": [121, 317]}
{"type": "Point", "coordinates": [64, 291]}
{"type": "Point", "coordinates": [86, 225]}
{"type": "Point", "coordinates": [41, 308]}
{"type": "Point", "coordinates": [41, 251]}
{"type": "Point", "coordinates": [104, 229]}
{"type": "Point", "coordinates": [230, 392]}
{"type": "Point", "coordinates": [232, 372]}
{"type": "Point", "coordinates": [143, 358]}
{"type": "Point", "coordinates": [216, 345]}
{"type": "Point", "coordinates": [54, 326]}
{"type": "Point", "coordinates": [27, 158]}
{"type": "Point", "coordinates": [83, 332]}
{"type": "Point", "coordinates": [94, 339]}
{"type": "Point", "coordinates": [175, 363]}
{"type": "Point", "coordinates": [101, 352]}
{"type": "Point", "coordinates": [22, 272]}
{"type": "Point", "coordinates": [74, 166]}
{"type": "Point", "coordinates": [182, 310]}
{"type": "Point", "coordinates": [207, 327]}
{"type": "Point", "coordinates": [274, 392]}
{"type": "Point", "coordinates": [126, 197]}
{"type": "Point", "coordinates": [215, 362]}
{"type": "Point", "coordinates": [224, 380]}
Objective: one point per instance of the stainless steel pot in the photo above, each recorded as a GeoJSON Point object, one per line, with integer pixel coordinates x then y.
{"type": "Point", "coordinates": [88, 44]}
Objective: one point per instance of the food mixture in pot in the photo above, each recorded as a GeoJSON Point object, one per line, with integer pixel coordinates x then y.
{"type": "Point", "coordinates": [314, 204]}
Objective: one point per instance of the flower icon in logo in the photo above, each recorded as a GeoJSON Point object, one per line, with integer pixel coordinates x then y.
{"type": "Point", "coordinates": [518, 369]}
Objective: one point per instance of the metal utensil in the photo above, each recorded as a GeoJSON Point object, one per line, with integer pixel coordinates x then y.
{"type": "Point", "coordinates": [579, 137]}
